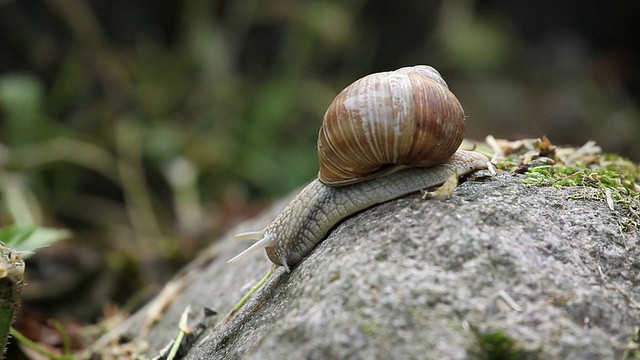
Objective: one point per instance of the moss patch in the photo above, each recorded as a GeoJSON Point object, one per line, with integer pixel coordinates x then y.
{"type": "Point", "coordinates": [498, 346]}
{"type": "Point", "coordinates": [605, 177]}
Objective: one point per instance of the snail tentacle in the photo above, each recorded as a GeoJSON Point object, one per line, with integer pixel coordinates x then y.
{"type": "Point", "coordinates": [263, 242]}
{"type": "Point", "coordinates": [249, 235]}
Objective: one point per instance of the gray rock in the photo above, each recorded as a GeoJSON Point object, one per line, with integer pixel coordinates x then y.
{"type": "Point", "coordinates": [500, 269]}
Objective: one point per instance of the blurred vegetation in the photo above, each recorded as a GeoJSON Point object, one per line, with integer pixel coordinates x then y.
{"type": "Point", "coordinates": [148, 128]}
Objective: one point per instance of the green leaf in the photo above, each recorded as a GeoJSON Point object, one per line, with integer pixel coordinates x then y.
{"type": "Point", "coordinates": [26, 239]}
{"type": "Point", "coordinates": [15, 235]}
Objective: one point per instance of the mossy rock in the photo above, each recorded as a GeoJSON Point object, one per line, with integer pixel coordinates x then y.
{"type": "Point", "coordinates": [504, 269]}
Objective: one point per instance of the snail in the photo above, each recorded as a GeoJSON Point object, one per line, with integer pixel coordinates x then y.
{"type": "Point", "coordinates": [384, 136]}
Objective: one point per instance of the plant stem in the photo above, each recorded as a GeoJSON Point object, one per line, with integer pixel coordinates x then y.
{"type": "Point", "coordinates": [11, 281]}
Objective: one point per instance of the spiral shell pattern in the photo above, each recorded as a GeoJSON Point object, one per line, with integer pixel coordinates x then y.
{"type": "Point", "coordinates": [402, 117]}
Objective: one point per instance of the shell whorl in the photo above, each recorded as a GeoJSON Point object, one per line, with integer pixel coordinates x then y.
{"type": "Point", "coordinates": [406, 117]}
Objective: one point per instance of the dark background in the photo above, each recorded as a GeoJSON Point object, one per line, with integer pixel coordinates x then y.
{"type": "Point", "coordinates": [150, 127]}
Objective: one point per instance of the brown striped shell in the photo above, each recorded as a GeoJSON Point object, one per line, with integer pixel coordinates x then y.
{"type": "Point", "coordinates": [406, 117]}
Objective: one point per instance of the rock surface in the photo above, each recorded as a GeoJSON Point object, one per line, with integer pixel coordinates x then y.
{"type": "Point", "coordinates": [500, 269]}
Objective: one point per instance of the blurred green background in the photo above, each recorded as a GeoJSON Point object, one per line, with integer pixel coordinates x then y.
{"type": "Point", "coordinates": [148, 128]}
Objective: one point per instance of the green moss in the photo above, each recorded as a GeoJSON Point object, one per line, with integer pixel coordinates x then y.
{"type": "Point", "coordinates": [633, 345]}
{"type": "Point", "coordinates": [561, 175]}
{"type": "Point", "coordinates": [615, 183]}
{"type": "Point", "coordinates": [498, 346]}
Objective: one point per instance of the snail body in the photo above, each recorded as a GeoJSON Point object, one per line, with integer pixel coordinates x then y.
{"type": "Point", "coordinates": [384, 136]}
{"type": "Point", "coordinates": [309, 217]}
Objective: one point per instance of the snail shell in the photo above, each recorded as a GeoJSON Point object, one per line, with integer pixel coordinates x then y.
{"type": "Point", "coordinates": [406, 117]}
